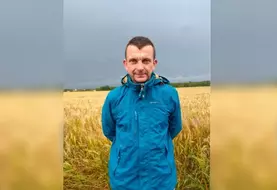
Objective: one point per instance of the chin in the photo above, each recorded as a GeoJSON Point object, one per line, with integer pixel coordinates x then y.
{"type": "Point", "coordinates": [142, 79]}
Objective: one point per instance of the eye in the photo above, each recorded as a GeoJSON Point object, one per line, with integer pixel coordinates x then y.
{"type": "Point", "coordinates": [133, 61]}
{"type": "Point", "coordinates": [146, 61]}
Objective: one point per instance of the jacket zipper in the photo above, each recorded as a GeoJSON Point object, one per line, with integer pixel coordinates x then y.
{"type": "Point", "coordinates": [141, 95]}
{"type": "Point", "coordinates": [137, 127]}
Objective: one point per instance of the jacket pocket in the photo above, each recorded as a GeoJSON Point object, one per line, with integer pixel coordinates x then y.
{"type": "Point", "coordinates": [158, 121]}
{"type": "Point", "coordinates": [117, 161]}
{"type": "Point", "coordinates": [167, 159]}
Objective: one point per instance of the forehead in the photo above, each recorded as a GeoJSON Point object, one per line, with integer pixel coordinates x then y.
{"type": "Point", "coordinates": [134, 52]}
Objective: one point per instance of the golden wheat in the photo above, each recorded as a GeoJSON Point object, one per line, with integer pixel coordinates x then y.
{"type": "Point", "coordinates": [86, 150]}
{"type": "Point", "coordinates": [243, 140]}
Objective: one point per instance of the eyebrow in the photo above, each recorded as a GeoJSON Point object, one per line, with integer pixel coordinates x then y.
{"type": "Point", "coordinates": [136, 58]}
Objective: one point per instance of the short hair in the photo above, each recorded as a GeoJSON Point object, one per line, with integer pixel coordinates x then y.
{"type": "Point", "coordinates": [140, 42]}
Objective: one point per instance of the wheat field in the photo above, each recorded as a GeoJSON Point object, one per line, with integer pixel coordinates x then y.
{"type": "Point", "coordinates": [228, 141]}
{"type": "Point", "coordinates": [86, 150]}
{"type": "Point", "coordinates": [54, 141]}
{"type": "Point", "coordinates": [31, 152]}
{"type": "Point", "coordinates": [244, 138]}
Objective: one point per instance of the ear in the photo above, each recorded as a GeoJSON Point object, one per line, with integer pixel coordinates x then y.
{"type": "Point", "coordinates": [155, 62]}
{"type": "Point", "coordinates": [125, 63]}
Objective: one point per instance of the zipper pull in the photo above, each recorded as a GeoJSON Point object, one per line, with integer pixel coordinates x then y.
{"type": "Point", "coordinates": [141, 91]}
{"type": "Point", "coordinates": [141, 87]}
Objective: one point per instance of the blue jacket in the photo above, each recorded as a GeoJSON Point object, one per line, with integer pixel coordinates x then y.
{"type": "Point", "coordinates": [141, 120]}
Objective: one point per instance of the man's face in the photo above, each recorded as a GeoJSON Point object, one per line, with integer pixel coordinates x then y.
{"type": "Point", "coordinates": [140, 63]}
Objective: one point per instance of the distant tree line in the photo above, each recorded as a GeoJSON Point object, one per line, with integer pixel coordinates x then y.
{"type": "Point", "coordinates": [176, 85]}
{"type": "Point", "coordinates": [105, 88]}
{"type": "Point", "coordinates": [191, 84]}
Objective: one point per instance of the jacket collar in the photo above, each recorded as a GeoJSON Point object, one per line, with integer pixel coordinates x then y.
{"type": "Point", "coordinates": [155, 79]}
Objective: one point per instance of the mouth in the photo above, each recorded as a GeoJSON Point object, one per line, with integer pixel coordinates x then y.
{"type": "Point", "coordinates": [141, 75]}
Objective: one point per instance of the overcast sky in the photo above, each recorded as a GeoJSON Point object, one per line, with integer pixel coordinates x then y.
{"type": "Point", "coordinates": [80, 43]}
{"type": "Point", "coordinates": [96, 34]}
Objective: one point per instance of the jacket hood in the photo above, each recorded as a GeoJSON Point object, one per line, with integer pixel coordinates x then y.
{"type": "Point", "coordinates": [154, 80]}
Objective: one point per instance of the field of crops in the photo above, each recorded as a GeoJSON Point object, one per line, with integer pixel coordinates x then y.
{"type": "Point", "coordinates": [31, 140]}
{"type": "Point", "coordinates": [86, 150]}
{"type": "Point", "coordinates": [229, 140]}
{"type": "Point", "coordinates": [244, 138]}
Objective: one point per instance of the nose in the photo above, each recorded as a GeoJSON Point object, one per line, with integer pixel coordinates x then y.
{"type": "Point", "coordinates": [140, 66]}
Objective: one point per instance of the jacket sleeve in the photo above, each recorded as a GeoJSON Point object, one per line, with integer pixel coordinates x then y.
{"type": "Point", "coordinates": [175, 119]}
{"type": "Point", "coordinates": [108, 123]}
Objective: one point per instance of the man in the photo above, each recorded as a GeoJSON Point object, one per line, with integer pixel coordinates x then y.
{"type": "Point", "coordinates": [141, 118]}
